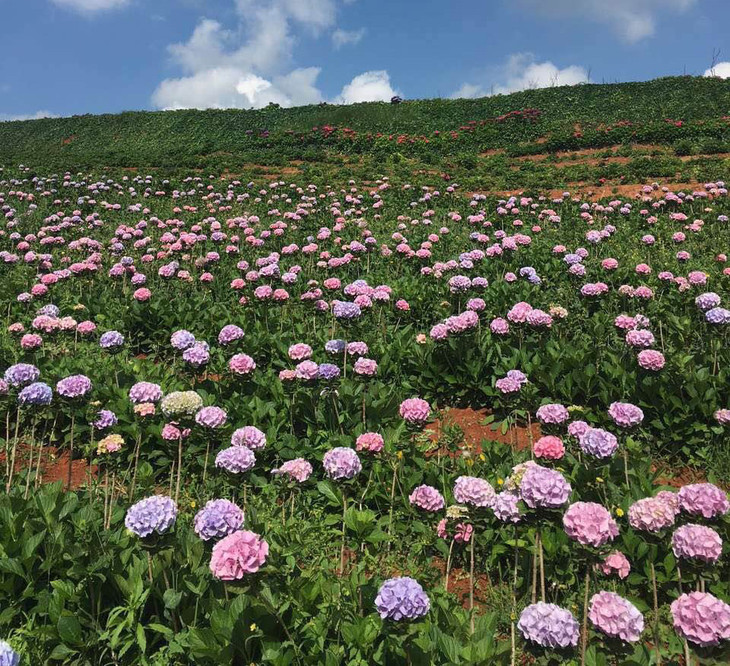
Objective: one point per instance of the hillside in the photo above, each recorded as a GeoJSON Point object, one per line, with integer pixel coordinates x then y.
{"type": "Point", "coordinates": [664, 111]}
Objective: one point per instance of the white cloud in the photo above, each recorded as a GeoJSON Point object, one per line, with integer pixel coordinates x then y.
{"type": "Point", "coordinates": [341, 38]}
{"type": "Point", "coordinates": [720, 70]}
{"type": "Point", "coordinates": [632, 20]}
{"type": "Point", "coordinates": [90, 6]}
{"type": "Point", "coordinates": [7, 117]}
{"type": "Point", "coordinates": [245, 67]}
{"type": "Point", "coordinates": [367, 87]}
{"type": "Point", "coordinates": [522, 72]}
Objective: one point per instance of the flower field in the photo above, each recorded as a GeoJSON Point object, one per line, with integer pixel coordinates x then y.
{"type": "Point", "coordinates": [227, 434]}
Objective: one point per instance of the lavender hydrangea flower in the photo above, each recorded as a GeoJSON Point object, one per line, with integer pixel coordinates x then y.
{"type": "Point", "coordinates": [105, 418]}
{"type": "Point", "coordinates": [182, 340]}
{"type": "Point", "coordinates": [74, 386]}
{"type": "Point", "coordinates": [707, 301]}
{"type": "Point", "coordinates": [8, 656]}
{"type": "Point", "coordinates": [197, 355]}
{"type": "Point", "coordinates": [143, 392]}
{"type": "Point", "coordinates": [717, 316]}
{"type": "Point", "coordinates": [651, 514]}
{"type": "Point", "coordinates": [697, 542]}
{"type": "Point", "coordinates": [152, 514]}
{"type": "Point", "coordinates": [427, 498]}
{"type": "Point", "coordinates": [625, 414]}
{"type": "Point", "coordinates": [218, 518]}
{"type": "Point", "coordinates": [544, 488]}
{"type": "Point", "coordinates": [552, 414]}
{"type": "Point", "coordinates": [549, 626]}
{"type": "Point", "coordinates": [345, 310]}
{"type": "Point", "coordinates": [616, 617]}
{"type": "Point", "coordinates": [21, 374]}
{"type": "Point", "coordinates": [473, 491]}
{"type": "Point", "coordinates": [211, 417]}
{"type": "Point", "coordinates": [402, 598]}
{"type": "Point", "coordinates": [506, 507]}
{"type": "Point", "coordinates": [335, 346]}
{"type": "Point", "coordinates": [111, 340]}
{"type": "Point", "coordinates": [598, 443]}
{"type": "Point", "coordinates": [701, 618]}
{"type": "Point", "coordinates": [229, 334]}
{"type": "Point", "coordinates": [235, 459]}
{"type": "Point", "coordinates": [37, 393]}
{"type": "Point", "coordinates": [328, 371]}
{"type": "Point", "coordinates": [341, 463]}
{"type": "Point", "coordinates": [703, 499]}
{"type": "Point", "coordinates": [250, 437]}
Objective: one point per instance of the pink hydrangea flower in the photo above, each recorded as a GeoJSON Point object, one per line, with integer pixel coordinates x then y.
{"type": "Point", "coordinates": [238, 554]}
{"type": "Point", "coordinates": [590, 524]}
{"type": "Point", "coordinates": [549, 447]}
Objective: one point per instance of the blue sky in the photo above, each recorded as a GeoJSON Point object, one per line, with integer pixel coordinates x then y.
{"type": "Point", "coordinates": [64, 57]}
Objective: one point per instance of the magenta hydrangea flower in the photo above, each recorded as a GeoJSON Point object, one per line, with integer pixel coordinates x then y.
{"type": "Point", "coordinates": [549, 626]}
{"type": "Point", "coordinates": [243, 552]}
{"type": "Point", "coordinates": [544, 488]}
{"type": "Point", "coordinates": [473, 491]}
{"type": "Point", "coordinates": [341, 463]}
{"type": "Point", "coordinates": [552, 414]}
{"type": "Point", "coordinates": [427, 498]}
{"type": "Point", "coordinates": [250, 437]}
{"type": "Point", "coordinates": [298, 469]}
{"type": "Point", "coordinates": [401, 599]}
{"type": "Point", "coordinates": [701, 618]}
{"type": "Point", "coordinates": [651, 514]}
{"type": "Point", "coordinates": [703, 499]}
{"type": "Point", "coordinates": [235, 459]}
{"type": "Point", "coordinates": [697, 542]}
{"type": "Point", "coordinates": [415, 410]}
{"type": "Point", "coordinates": [616, 617]}
{"type": "Point", "coordinates": [598, 443]}
{"type": "Point", "coordinates": [218, 518]}
{"type": "Point", "coordinates": [590, 524]}
{"type": "Point", "coordinates": [625, 414]}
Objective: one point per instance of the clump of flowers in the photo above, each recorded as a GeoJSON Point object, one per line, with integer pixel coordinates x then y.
{"type": "Point", "coordinates": [235, 459]}
{"type": "Point", "coordinates": [415, 411]}
{"type": "Point", "coordinates": [181, 404]}
{"type": "Point", "coordinates": [590, 524]}
{"type": "Point", "coordinates": [241, 364]}
{"type": "Point", "coordinates": [598, 443]}
{"type": "Point", "coordinates": [298, 469]}
{"type": "Point", "coordinates": [153, 514]}
{"type": "Point", "coordinates": [110, 444]}
{"type": "Point", "coordinates": [697, 542]}
{"type": "Point", "coordinates": [615, 562]}
{"type": "Point", "coordinates": [703, 499]}
{"type": "Point", "coordinates": [341, 463]}
{"type": "Point", "coordinates": [651, 514]}
{"type": "Point", "coordinates": [544, 488]}
{"type": "Point", "coordinates": [552, 414]}
{"type": "Point", "coordinates": [616, 617]}
{"type": "Point", "coordinates": [549, 626]}
{"type": "Point", "coordinates": [473, 491]}
{"type": "Point", "coordinates": [8, 656]}
{"type": "Point", "coordinates": [37, 394]}
{"type": "Point", "coordinates": [427, 498]}
{"type": "Point", "coordinates": [250, 437]}
{"type": "Point", "coordinates": [506, 507]}
{"type": "Point", "coordinates": [701, 618]}
{"type": "Point", "coordinates": [370, 441]}
{"type": "Point", "coordinates": [74, 386]}
{"type": "Point", "coordinates": [143, 392]}
{"type": "Point", "coordinates": [211, 417]}
{"type": "Point", "coordinates": [401, 599]}
{"type": "Point", "coordinates": [218, 518]}
{"type": "Point", "coordinates": [549, 447]}
{"type": "Point", "coordinates": [625, 414]}
{"type": "Point", "coordinates": [243, 552]}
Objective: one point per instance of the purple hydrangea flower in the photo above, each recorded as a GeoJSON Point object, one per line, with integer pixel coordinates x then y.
{"type": "Point", "coordinates": [707, 301]}
{"type": "Point", "coordinates": [197, 355]}
{"type": "Point", "coordinates": [473, 491]}
{"type": "Point", "coordinates": [345, 310]}
{"type": "Point", "coordinates": [341, 463]}
{"type": "Point", "coordinates": [549, 626]}
{"type": "Point", "coordinates": [152, 514]}
{"type": "Point", "coordinates": [506, 507]}
{"type": "Point", "coordinates": [625, 414]}
{"type": "Point", "coordinates": [717, 316]}
{"type": "Point", "coordinates": [701, 618]}
{"type": "Point", "coordinates": [544, 488]}
{"type": "Point", "coordinates": [402, 598]}
{"type": "Point", "coordinates": [697, 542]}
{"type": "Point", "coordinates": [218, 518]}
{"type": "Point", "coordinates": [616, 617]}
{"type": "Point", "coordinates": [182, 340]}
{"type": "Point", "coordinates": [105, 418]}
{"type": "Point", "coordinates": [8, 656]}
{"type": "Point", "coordinates": [211, 417]}
{"type": "Point", "coordinates": [590, 524]}
{"type": "Point", "coordinates": [335, 346]}
{"type": "Point", "coordinates": [145, 392]}
{"type": "Point", "coordinates": [235, 459]}
{"type": "Point", "coordinates": [21, 374]}
{"type": "Point", "coordinates": [598, 442]}
{"type": "Point", "coordinates": [328, 371]}
{"type": "Point", "coordinates": [552, 414]}
{"type": "Point", "coordinates": [74, 386]}
{"type": "Point", "coordinates": [37, 393]}
{"type": "Point", "coordinates": [229, 334]}
{"type": "Point", "coordinates": [427, 498]}
{"type": "Point", "coordinates": [250, 437]}
{"type": "Point", "coordinates": [111, 340]}
{"type": "Point", "coordinates": [703, 499]}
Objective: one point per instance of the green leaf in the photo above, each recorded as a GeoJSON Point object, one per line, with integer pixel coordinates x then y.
{"type": "Point", "coordinates": [69, 630]}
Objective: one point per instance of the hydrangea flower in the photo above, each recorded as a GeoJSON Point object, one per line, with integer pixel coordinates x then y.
{"type": "Point", "coordinates": [142, 392]}
{"type": "Point", "coordinates": [182, 340]}
{"type": "Point", "coordinates": [241, 364]}
{"type": "Point", "coordinates": [8, 656]}
{"type": "Point", "coordinates": [651, 514]}
{"type": "Point", "coordinates": [228, 334]}
{"type": "Point", "coordinates": [616, 617]}
{"type": "Point", "coordinates": [341, 463]}
{"type": "Point", "coordinates": [427, 498]}
{"type": "Point", "coordinates": [74, 386]}
{"type": "Point", "coordinates": [506, 507]}
{"type": "Point", "coordinates": [235, 459]}
{"type": "Point", "coordinates": [625, 414]}
{"type": "Point", "coordinates": [415, 410]}
{"type": "Point", "coordinates": [697, 542]}
{"type": "Point", "coordinates": [181, 404]}
{"type": "Point", "coordinates": [549, 626]}
{"type": "Point", "coordinates": [369, 441]}
{"type": "Point", "coordinates": [402, 599]}
{"type": "Point", "coordinates": [21, 374]}
{"type": "Point", "coordinates": [152, 514]}
{"type": "Point", "coordinates": [473, 491]}
{"type": "Point", "coordinates": [211, 417]}
{"type": "Point", "coordinates": [549, 447]}
{"type": "Point", "coordinates": [544, 488]}
{"type": "Point", "coordinates": [703, 499]}
{"type": "Point", "coordinates": [298, 469]}
{"type": "Point", "coordinates": [250, 437]}
{"type": "Point", "coordinates": [701, 618]}
{"type": "Point", "coordinates": [111, 340]}
{"type": "Point", "coordinates": [598, 443]}
{"type": "Point", "coordinates": [243, 552]}
{"type": "Point", "coordinates": [37, 394]}
{"type": "Point", "coordinates": [105, 419]}
{"type": "Point", "coordinates": [218, 518]}
{"type": "Point", "coordinates": [553, 414]}
{"type": "Point", "coordinates": [590, 524]}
